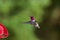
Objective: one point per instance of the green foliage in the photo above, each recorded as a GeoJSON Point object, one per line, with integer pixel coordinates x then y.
{"type": "Point", "coordinates": [23, 10]}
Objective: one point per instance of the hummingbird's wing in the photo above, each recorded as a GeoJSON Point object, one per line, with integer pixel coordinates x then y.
{"type": "Point", "coordinates": [28, 22]}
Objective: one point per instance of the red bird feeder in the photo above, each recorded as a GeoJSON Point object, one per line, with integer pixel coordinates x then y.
{"type": "Point", "coordinates": [3, 31]}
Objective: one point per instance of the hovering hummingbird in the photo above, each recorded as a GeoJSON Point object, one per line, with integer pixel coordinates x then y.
{"type": "Point", "coordinates": [33, 22]}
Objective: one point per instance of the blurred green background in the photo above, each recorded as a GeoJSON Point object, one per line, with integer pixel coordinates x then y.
{"type": "Point", "coordinates": [47, 12]}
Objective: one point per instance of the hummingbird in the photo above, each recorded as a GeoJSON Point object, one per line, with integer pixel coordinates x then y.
{"type": "Point", "coordinates": [33, 22]}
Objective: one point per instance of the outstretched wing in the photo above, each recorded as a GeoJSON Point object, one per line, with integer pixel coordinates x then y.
{"type": "Point", "coordinates": [28, 22]}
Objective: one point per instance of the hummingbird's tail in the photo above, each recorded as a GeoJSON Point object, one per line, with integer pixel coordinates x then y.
{"type": "Point", "coordinates": [37, 27]}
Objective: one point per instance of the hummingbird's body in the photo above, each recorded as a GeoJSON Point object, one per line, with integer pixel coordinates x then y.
{"type": "Point", "coordinates": [33, 22]}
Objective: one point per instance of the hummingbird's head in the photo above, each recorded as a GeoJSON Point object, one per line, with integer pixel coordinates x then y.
{"type": "Point", "coordinates": [32, 19]}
